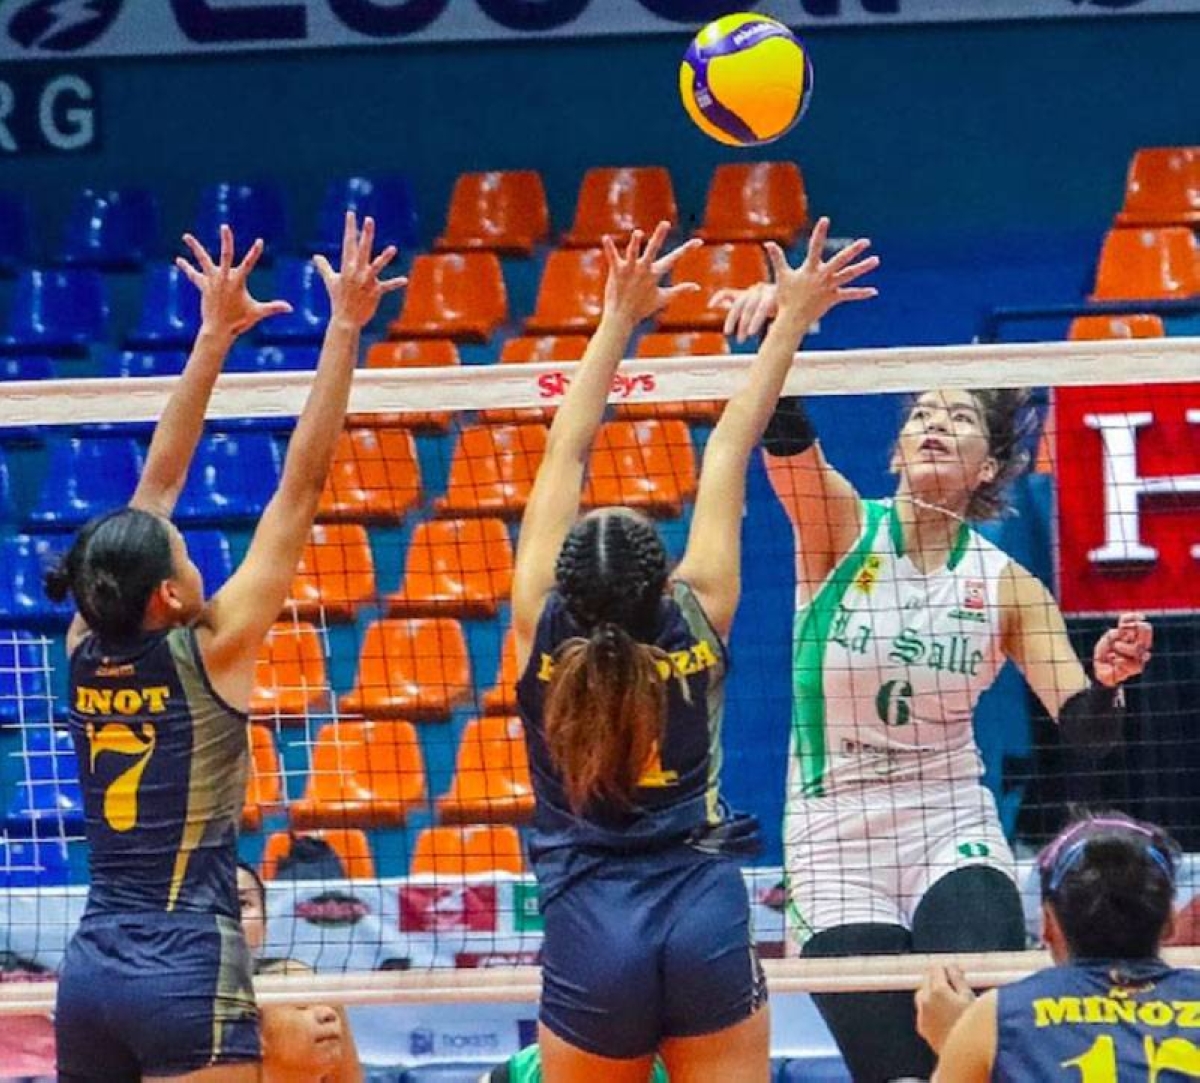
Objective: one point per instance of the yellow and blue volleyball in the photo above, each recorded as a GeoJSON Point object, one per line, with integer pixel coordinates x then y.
{"type": "Point", "coordinates": [746, 79]}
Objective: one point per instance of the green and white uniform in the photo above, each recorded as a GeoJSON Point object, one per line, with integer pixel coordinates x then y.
{"type": "Point", "coordinates": [883, 795]}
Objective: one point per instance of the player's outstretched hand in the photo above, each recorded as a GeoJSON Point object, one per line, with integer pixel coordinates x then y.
{"type": "Point", "coordinates": [942, 997]}
{"type": "Point", "coordinates": [226, 305]}
{"type": "Point", "coordinates": [356, 289]}
{"type": "Point", "coordinates": [634, 289]}
{"type": "Point", "coordinates": [1124, 651]}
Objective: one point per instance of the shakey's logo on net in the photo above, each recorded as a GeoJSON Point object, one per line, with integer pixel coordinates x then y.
{"type": "Point", "coordinates": [553, 385]}
{"type": "Point", "coordinates": [62, 26]}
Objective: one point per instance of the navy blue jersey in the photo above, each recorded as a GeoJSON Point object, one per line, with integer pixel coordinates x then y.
{"type": "Point", "coordinates": [1099, 1022]}
{"type": "Point", "coordinates": [162, 763]}
{"type": "Point", "coordinates": [678, 797]}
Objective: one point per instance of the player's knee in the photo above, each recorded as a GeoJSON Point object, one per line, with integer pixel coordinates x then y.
{"type": "Point", "coordinates": [972, 909]}
{"type": "Point", "coordinates": [865, 938]}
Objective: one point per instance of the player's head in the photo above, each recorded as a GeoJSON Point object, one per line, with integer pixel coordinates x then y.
{"type": "Point", "coordinates": [606, 701]}
{"type": "Point", "coordinates": [1108, 888]}
{"type": "Point", "coordinates": [127, 569]}
{"type": "Point", "coordinates": [252, 898]}
{"type": "Point", "coordinates": [959, 449]}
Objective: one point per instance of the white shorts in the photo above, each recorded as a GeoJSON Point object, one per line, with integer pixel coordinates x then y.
{"type": "Point", "coordinates": [870, 856]}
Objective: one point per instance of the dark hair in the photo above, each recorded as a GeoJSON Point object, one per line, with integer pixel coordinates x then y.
{"type": "Point", "coordinates": [607, 700]}
{"type": "Point", "coordinates": [1110, 880]}
{"type": "Point", "coordinates": [260, 887]}
{"type": "Point", "coordinates": [113, 567]}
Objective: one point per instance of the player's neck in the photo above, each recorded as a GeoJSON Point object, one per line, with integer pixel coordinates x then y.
{"type": "Point", "coordinates": [929, 532]}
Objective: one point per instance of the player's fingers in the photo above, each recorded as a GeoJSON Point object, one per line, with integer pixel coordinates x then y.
{"type": "Point", "coordinates": [383, 259]}
{"type": "Point", "coordinates": [635, 242]}
{"type": "Point", "coordinates": [848, 255]}
{"type": "Point", "coordinates": [777, 260]}
{"type": "Point", "coordinates": [200, 253]}
{"type": "Point", "coordinates": [957, 979]}
{"type": "Point", "coordinates": [349, 238]}
{"type": "Point", "coordinates": [325, 270]}
{"type": "Point", "coordinates": [273, 308]}
{"type": "Point", "coordinates": [855, 270]}
{"type": "Point", "coordinates": [366, 241]}
{"type": "Point", "coordinates": [658, 237]}
{"type": "Point", "coordinates": [760, 313]}
{"type": "Point", "coordinates": [251, 258]}
{"type": "Point", "coordinates": [193, 276]}
{"type": "Point", "coordinates": [226, 247]}
{"type": "Point", "coordinates": [669, 293]}
{"type": "Point", "coordinates": [858, 293]}
{"type": "Point", "coordinates": [611, 255]}
{"type": "Point", "coordinates": [736, 306]}
{"type": "Point", "coordinates": [723, 298]}
{"type": "Point", "coordinates": [667, 262]}
{"type": "Point", "coordinates": [816, 242]}
{"type": "Point", "coordinates": [393, 284]}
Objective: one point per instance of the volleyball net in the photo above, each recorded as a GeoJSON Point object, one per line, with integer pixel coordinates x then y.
{"type": "Point", "coordinates": [389, 793]}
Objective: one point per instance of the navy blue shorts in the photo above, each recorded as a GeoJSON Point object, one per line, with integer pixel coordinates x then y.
{"type": "Point", "coordinates": [649, 947]}
{"type": "Point", "coordinates": [154, 994]}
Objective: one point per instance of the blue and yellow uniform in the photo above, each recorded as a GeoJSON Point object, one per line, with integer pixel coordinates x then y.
{"type": "Point", "coordinates": [647, 921]}
{"type": "Point", "coordinates": [157, 980]}
{"type": "Point", "coordinates": [1099, 1022]}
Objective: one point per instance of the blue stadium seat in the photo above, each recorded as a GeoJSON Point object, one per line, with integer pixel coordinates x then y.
{"type": "Point", "coordinates": [16, 248]}
{"type": "Point", "coordinates": [170, 310]}
{"type": "Point", "coordinates": [7, 512]}
{"type": "Point", "coordinates": [86, 475]}
{"type": "Point", "coordinates": [211, 553]}
{"type": "Point", "coordinates": [25, 694]}
{"type": "Point", "coordinates": [278, 358]}
{"type": "Point", "coordinates": [233, 476]}
{"type": "Point", "coordinates": [50, 790]}
{"type": "Point", "coordinates": [298, 282]}
{"type": "Point", "coordinates": [23, 561]}
{"type": "Point", "coordinates": [57, 310]}
{"type": "Point", "coordinates": [389, 200]}
{"type": "Point", "coordinates": [110, 230]}
{"type": "Point", "coordinates": [252, 210]}
{"type": "Point", "coordinates": [117, 363]}
{"type": "Point", "coordinates": [26, 367]}
{"type": "Point", "coordinates": [445, 1073]}
{"type": "Point", "coordinates": [822, 1069]}
{"type": "Point", "coordinates": [34, 863]}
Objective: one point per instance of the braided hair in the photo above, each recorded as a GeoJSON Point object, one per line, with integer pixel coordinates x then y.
{"type": "Point", "coordinates": [607, 699]}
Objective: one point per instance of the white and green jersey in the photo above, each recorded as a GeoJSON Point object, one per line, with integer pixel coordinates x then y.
{"type": "Point", "coordinates": [889, 662]}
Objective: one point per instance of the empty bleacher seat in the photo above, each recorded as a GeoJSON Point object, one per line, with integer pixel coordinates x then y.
{"type": "Point", "coordinates": [815, 1069]}
{"type": "Point", "coordinates": [714, 267]}
{"type": "Point", "coordinates": [404, 354]}
{"type": "Point", "coordinates": [415, 669]}
{"type": "Point", "coordinates": [290, 679]}
{"type": "Point", "coordinates": [117, 363]}
{"type": "Point", "coordinates": [23, 562]}
{"type": "Point", "coordinates": [362, 774]}
{"type": "Point", "coordinates": [86, 475]}
{"type": "Point", "coordinates": [110, 230]}
{"type": "Point", "coordinates": [501, 698]}
{"type": "Point", "coordinates": [16, 248]}
{"type": "Point", "coordinates": [264, 783]}
{"type": "Point", "coordinates": [387, 199]}
{"type": "Point", "coordinates": [375, 477]}
{"type": "Point", "coordinates": [251, 210]}
{"type": "Point", "coordinates": [613, 202]}
{"type": "Point", "coordinates": [458, 295]}
{"type": "Point", "coordinates": [57, 310]}
{"type": "Point", "coordinates": [649, 465]}
{"type": "Point", "coordinates": [170, 314]}
{"type": "Point", "coordinates": [233, 475]}
{"type": "Point", "coordinates": [350, 845]}
{"type": "Point", "coordinates": [533, 349]}
{"type": "Point", "coordinates": [571, 294]}
{"type": "Point", "coordinates": [755, 201]}
{"type": "Point", "coordinates": [49, 794]}
{"type": "Point", "coordinates": [336, 573]}
{"type": "Point", "coordinates": [473, 850]}
{"type": "Point", "coordinates": [26, 367]}
{"type": "Point", "coordinates": [678, 344]}
{"type": "Point", "coordinates": [7, 512]}
{"type": "Point", "coordinates": [1140, 325]}
{"type": "Point", "coordinates": [276, 357]}
{"type": "Point", "coordinates": [449, 1072]}
{"type": "Point", "coordinates": [211, 553]}
{"type": "Point", "coordinates": [299, 283]}
{"type": "Point", "coordinates": [25, 693]}
{"type": "Point", "coordinates": [1162, 188]}
{"type": "Point", "coordinates": [491, 774]}
{"type": "Point", "coordinates": [492, 470]}
{"type": "Point", "coordinates": [457, 567]}
{"type": "Point", "coordinates": [501, 211]}
{"type": "Point", "coordinates": [1148, 264]}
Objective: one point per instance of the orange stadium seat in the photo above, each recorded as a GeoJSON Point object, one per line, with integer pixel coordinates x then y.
{"type": "Point", "coordinates": [475, 850]}
{"type": "Point", "coordinates": [571, 295]}
{"type": "Point", "coordinates": [501, 211]}
{"type": "Point", "coordinates": [350, 845]}
{"type": "Point", "coordinates": [407, 354]}
{"type": "Point", "coordinates": [491, 775]}
{"type": "Point", "coordinates": [1140, 325]}
{"type": "Point", "coordinates": [362, 774]}
{"type": "Point", "coordinates": [336, 573]}
{"type": "Point", "coordinates": [1148, 264]}
{"type": "Point", "coordinates": [410, 669]}
{"type": "Point", "coordinates": [533, 348]}
{"type": "Point", "coordinates": [715, 266]}
{"type": "Point", "coordinates": [457, 567]}
{"type": "Point", "coordinates": [290, 681]}
{"type": "Point", "coordinates": [264, 785]}
{"type": "Point", "coordinates": [678, 344]}
{"type": "Point", "coordinates": [1162, 188]}
{"type": "Point", "coordinates": [613, 202]}
{"type": "Point", "coordinates": [755, 201]}
{"type": "Point", "coordinates": [375, 477]}
{"type": "Point", "coordinates": [649, 465]}
{"type": "Point", "coordinates": [492, 470]}
{"type": "Point", "coordinates": [458, 295]}
{"type": "Point", "coordinates": [501, 698]}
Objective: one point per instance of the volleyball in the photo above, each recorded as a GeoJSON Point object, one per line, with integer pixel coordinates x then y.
{"type": "Point", "coordinates": [746, 79]}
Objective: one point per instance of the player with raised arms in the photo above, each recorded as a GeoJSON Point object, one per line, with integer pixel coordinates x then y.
{"type": "Point", "coordinates": [157, 979]}
{"type": "Point", "coordinates": [904, 616]}
{"type": "Point", "coordinates": [648, 947]}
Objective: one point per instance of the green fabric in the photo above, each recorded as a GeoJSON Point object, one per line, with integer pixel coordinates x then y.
{"type": "Point", "coordinates": [526, 1067]}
